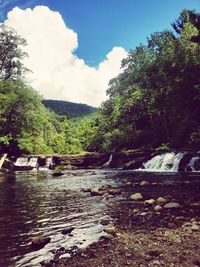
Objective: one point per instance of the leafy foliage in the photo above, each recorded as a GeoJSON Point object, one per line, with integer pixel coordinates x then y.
{"type": "Point", "coordinates": [156, 99]}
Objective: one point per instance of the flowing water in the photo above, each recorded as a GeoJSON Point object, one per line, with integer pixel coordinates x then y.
{"type": "Point", "coordinates": [36, 203]}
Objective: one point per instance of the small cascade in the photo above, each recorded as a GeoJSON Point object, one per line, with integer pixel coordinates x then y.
{"type": "Point", "coordinates": [107, 164]}
{"type": "Point", "coordinates": [48, 162]}
{"type": "Point", "coordinates": [22, 161]}
{"type": "Point", "coordinates": [33, 162]}
{"type": "Point", "coordinates": [194, 164]}
{"type": "Point", "coordinates": [165, 162]}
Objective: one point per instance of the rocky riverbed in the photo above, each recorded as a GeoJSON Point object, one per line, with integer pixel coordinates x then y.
{"type": "Point", "coordinates": [155, 222]}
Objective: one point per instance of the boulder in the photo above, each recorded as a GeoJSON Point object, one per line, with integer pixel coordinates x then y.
{"type": "Point", "coordinates": [40, 242]}
{"type": "Point", "coordinates": [136, 196]}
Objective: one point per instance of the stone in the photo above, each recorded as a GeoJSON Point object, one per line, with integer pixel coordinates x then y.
{"type": "Point", "coordinates": [149, 201]}
{"type": "Point", "coordinates": [136, 196]}
{"type": "Point", "coordinates": [110, 230]}
{"type": "Point", "coordinates": [40, 242]}
{"type": "Point", "coordinates": [161, 200]}
{"type": "Point", "coordinates": [106, 237]}
{"type": "Point", "coordinates": [158, 208]}
{"type": "Point", "coordinates": [172, 205]}
{"type": "Point", "coordinates": [114, 191]}
{"type": "Point", "coordinates": [144, 183]}
{"type": "Point", "coordinates": [67, 230]}
{"type": "Point", "coordinates": [128, 183]}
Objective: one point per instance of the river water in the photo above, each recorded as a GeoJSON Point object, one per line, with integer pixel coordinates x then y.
{"type": "Point", "coordinates": [36, 203]}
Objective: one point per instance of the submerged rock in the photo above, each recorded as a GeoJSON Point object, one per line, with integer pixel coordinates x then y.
{"type": "Point", "coordinates": [40, 242]}
{"type": "Point", "coordinates": [136, 196]}
{"type": "Point", "coordinates": [67, 230]}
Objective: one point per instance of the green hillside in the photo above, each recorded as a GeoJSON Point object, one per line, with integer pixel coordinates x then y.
{"type": "Point", "coordinates": [69, 109]}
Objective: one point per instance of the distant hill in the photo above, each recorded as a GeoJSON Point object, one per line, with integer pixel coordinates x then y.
{"type": "Point", "coordinates": [69, 109]}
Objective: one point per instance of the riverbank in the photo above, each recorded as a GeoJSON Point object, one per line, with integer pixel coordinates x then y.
{"type": "Point", "coordinates": [160, 229]}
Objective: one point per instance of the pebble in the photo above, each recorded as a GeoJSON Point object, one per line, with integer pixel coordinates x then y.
{"type": "Point", "coordinates": [144, 183]}
{"type": "Point", "coordinates": [149, 201]}
{"type": "Point", "coordinates": [136, 196]}
{"type": "Point", "coordinates": [161, 200]}
{"type": "Point", "coordinates": [157, 208]}
{"type": "Point", "coordinates": [128, 183]}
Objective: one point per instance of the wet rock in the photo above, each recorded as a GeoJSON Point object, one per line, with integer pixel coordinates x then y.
{"type": "Point", "coordinates": [105, 221]}
{"type": "Point", "coordinates": [86, 190]}
{"type": "Point", "coordinates": [67, 230]}
{"type": "Point", "coordinates": [144, 183]}
{"type": "Point", "coordinates": [114, 191]}
{"type": "Point", "coordinates": [40, 242]}
{"type": "Point", "coordinates": [96, 192]}
{"type": "Point", "coordinates": [57, 174]}
{"type": "Point", "coordinates": [149, 201]}
{"type": "Point", "coordinates": [136, 196]}
{"type": "Point", "coordinates": [158, 208]}
{"type": "Point", "coordinates": [161, 201]}
{"type": "Point", "coordinates": [128, 183]}
{"type": "Point", "coordinates": [172, 205]}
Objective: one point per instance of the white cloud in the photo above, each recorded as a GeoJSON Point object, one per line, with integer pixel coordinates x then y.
{"type": "Point", "coordinates": [57, 72]}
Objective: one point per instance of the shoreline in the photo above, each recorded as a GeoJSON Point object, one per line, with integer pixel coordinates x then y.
{"type": "Point", "coordinates": [142, 236]}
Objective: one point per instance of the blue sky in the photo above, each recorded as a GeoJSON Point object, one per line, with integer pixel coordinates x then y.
{"type": "Point", "coordinates": [75, 47]}
{"type": "Point", "coordinates": [103, 24]}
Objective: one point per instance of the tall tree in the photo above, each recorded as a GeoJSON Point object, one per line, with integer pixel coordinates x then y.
{"type": "Point", "coordinates": [11, 54]}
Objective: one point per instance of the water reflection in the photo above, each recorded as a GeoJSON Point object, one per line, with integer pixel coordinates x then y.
{"type": "Point", "coordinates": [34, 203]}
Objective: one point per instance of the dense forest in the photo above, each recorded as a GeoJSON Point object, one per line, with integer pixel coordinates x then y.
{"type": "Point", "coordinates": [69, 109]}
{"type": "Point", "coordinates": [154, 102]}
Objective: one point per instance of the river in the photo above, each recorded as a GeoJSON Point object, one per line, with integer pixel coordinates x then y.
{"type": "Point", "coordinates": [36, 203]}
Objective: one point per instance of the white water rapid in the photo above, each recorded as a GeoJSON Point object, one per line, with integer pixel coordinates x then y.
{"type": "Point", "coordinates": [164, 163]}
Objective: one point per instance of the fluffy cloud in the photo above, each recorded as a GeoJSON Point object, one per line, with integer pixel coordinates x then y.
{"type": "Point", "coordinates": [57, 72]}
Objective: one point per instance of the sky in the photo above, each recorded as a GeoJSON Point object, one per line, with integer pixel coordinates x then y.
{"type": "Point", "coordinates": [76, 46]}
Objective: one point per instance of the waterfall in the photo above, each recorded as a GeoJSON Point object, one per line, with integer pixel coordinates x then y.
{"type": "Point", "coordinates": [165, 162]}
{"type": "Point", "coordinates": [26, 162]}
{"type": "Point", "coordinates": [107, 164]}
